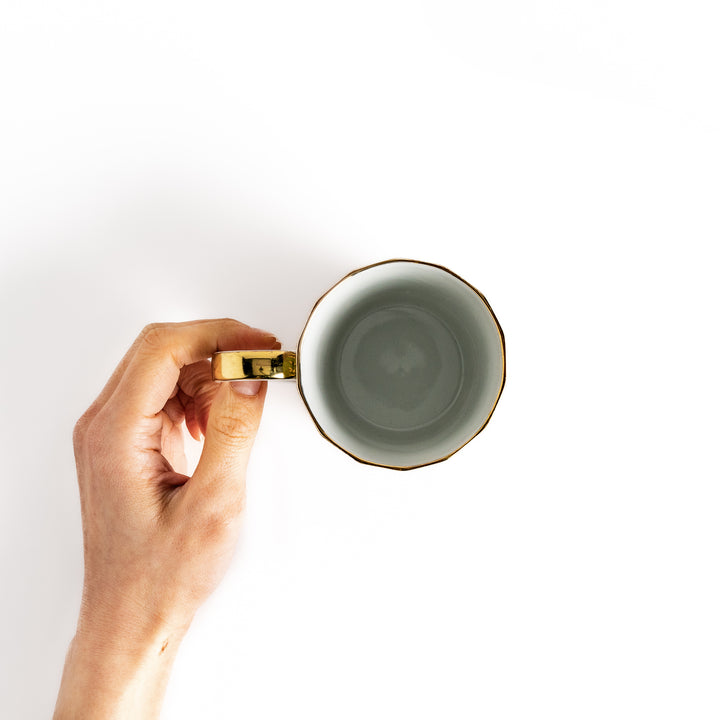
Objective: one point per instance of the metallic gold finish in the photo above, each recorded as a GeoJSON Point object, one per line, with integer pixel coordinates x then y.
{"type": "Point", "coordinates": [253, 365]}
{"type": "Point", "coordinates": [492, 410]}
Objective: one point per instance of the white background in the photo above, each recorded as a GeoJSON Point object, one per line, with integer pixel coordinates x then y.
{"type": "Point", "coordinates": [169, 161]}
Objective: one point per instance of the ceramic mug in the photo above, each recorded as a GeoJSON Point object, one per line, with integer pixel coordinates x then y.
{"type": "Point", "coordinates": [400, 364]}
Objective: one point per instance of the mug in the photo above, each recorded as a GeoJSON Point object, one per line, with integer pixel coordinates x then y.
{"type": "Point", "coordinates": [400, 364]}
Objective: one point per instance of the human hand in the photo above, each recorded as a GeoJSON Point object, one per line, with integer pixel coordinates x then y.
{"type": "Point", "coordinates": [156, 542]}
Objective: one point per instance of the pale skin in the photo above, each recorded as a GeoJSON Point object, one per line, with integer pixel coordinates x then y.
{"type": "Point", "coordinates": [156, 541]}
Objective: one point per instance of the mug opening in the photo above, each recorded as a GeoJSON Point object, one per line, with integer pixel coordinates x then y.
{"type": "Point", "coordinates": [401, 364]}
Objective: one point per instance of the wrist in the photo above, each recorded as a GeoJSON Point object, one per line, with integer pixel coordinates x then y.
{"type": "Point", "coordinates": [126, 628]}
{"type": "Point", "coordinates": [118, 664]}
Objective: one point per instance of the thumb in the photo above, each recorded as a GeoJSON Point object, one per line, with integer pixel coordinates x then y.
{"type": "Point", "coordinates": [233, 422]}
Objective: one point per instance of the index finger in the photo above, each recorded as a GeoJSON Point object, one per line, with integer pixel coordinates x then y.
{"type": "Point", "coordinates": [153, 371]}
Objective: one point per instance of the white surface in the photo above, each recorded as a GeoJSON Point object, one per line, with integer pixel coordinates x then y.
{"type": "Point", "coordinates": [168, 161]}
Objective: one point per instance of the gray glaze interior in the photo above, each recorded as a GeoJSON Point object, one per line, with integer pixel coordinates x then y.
{"type": "Point", "coordinates": [397, 367]}
{"type": "Point", "coordinates": [404, 366]}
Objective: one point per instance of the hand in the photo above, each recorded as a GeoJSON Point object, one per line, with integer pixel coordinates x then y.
{"type": "Point", "coordinates": [156, 542]}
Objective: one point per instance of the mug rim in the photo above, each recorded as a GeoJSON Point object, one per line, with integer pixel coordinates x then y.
{"type": "Point", "coordinates": [299, 363]}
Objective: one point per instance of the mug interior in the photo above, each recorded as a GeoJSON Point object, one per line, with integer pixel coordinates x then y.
{"type": "Point", "coordinates": [401, 363]}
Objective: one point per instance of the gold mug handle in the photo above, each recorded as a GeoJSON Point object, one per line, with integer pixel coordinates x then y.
{"type": "Point", "coordinates": [253, 365]}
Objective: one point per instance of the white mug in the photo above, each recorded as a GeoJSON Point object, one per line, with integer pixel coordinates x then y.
{"type": "Point", "coordinates": [400, 364]}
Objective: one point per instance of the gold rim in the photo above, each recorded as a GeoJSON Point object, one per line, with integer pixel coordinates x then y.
{"type": "Point", "coordinates": [492, 410]}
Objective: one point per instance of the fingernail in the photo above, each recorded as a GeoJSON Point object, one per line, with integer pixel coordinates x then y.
{"type": "Point", "coordinates": [246, 387]}
{"type": "Point", "coordinates": [265, 341]}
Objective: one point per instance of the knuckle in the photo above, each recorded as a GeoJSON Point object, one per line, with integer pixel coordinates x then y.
{"type": "Point", "coordinates": [154, 326]}
{"type": "Point", "coordinates": [150, 327]}
{"type": "Point", "coordinates": [234, 430]}
{"type": "Point", "coordinates": [80, 430]}
{"type": "Point", "coordinates": [155, 335]}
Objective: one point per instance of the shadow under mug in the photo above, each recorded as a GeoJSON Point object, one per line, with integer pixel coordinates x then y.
{"type": "Point", "coordinates": [400, 364]}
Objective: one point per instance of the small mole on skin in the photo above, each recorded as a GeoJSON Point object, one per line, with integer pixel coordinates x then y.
{"type": "Point", "coordinates": [162, 649]}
